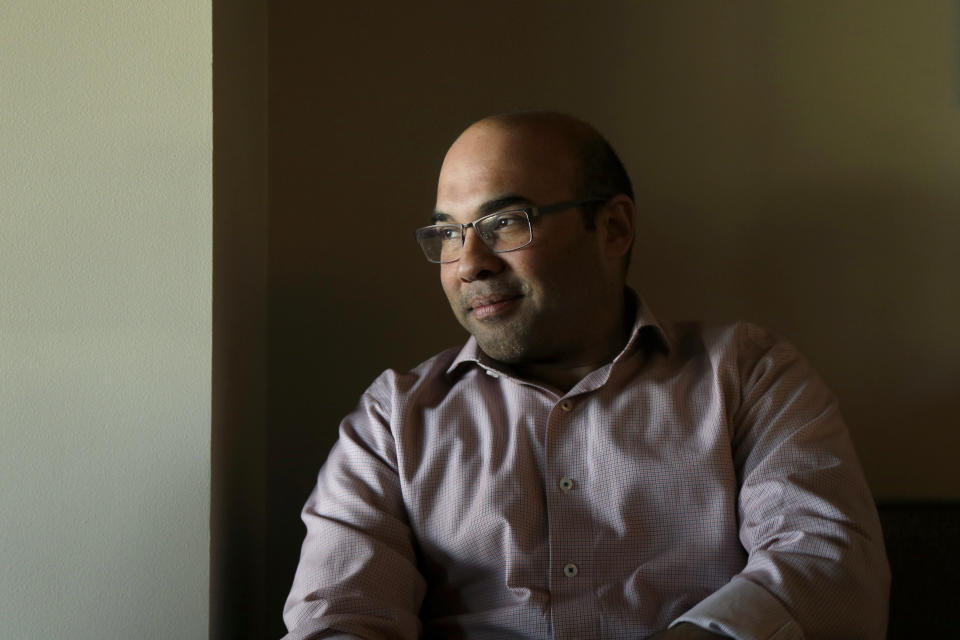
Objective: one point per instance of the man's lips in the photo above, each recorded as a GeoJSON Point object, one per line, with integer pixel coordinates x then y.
{"type": "Point", "coordinates": [487, 306]}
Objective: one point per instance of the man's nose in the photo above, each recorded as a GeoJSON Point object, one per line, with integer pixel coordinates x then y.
{"type": "Point", "coordinates": [477, 260]}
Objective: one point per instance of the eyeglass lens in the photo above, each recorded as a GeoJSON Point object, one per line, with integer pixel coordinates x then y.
{"type": "Point", "coordinates": [501, 232]}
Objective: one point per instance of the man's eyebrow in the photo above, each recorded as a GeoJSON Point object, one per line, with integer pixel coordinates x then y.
{"type": "Point", "coordinates": [490, 206]}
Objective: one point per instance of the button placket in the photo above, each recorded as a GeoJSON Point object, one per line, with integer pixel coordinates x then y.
{"type": "Point", "coordinates": [564, 466]}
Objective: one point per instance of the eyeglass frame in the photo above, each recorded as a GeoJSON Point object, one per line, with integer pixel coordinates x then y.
{"type": "Point", "coordinates": [530, 213]}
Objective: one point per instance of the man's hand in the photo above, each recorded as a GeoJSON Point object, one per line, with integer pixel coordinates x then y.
{"type": "Point", "coordinates": [686, 631]}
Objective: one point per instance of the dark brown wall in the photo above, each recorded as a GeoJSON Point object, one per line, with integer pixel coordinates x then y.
{"type": "Point", "coordinates": [795, 163]}
{"type": "Point", "coordinates": [240, 346]}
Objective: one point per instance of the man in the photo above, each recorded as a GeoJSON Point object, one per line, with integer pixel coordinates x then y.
{"type": "Point", "coordinates": [579, 469]}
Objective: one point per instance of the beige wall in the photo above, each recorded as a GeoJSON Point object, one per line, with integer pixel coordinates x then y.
{"type": "Point", "coordinates": [105, 217]}
{"type": "Point", "coordinates": [796, 164]}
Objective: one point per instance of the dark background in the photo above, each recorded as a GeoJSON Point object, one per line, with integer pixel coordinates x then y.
{"type": "Point", "coordinates": [795, 164]}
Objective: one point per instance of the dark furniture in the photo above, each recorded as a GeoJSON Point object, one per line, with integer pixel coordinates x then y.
{"type": "Point", "coordinates": [923, 545]}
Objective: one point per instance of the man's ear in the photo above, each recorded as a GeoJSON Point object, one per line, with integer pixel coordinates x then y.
{"type": "Point", "coordinates": [615, 221]}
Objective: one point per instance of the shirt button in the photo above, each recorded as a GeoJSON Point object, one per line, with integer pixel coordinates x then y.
{"type": "Point", "coordinates": [570, 570]}
{"type": "Point", "coordinates": [566, 405]}
{"type": "Point", "coordinates": [566, 484]}
{"type": "Point", "coordinates": [492, 374]}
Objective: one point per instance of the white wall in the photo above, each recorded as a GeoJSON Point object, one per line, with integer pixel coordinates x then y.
{"type": "Point", "coordinates": [105, 271]}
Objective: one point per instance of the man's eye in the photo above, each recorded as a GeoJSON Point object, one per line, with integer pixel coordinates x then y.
{"type": "Point", "coordinates": [505, 222]}
{"type": "Point", "coordinates": [449, 233]}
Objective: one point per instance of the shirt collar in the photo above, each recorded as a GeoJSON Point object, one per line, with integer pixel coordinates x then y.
{"type": "Point", "coordinates": [645, 326]}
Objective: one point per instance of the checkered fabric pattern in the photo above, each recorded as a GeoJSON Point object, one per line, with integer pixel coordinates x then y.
{"type": "Point", "coordinates": [704, 475]}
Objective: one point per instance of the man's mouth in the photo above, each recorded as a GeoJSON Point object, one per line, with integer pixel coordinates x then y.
{"type": "Point", "coordinates": [488, 306]}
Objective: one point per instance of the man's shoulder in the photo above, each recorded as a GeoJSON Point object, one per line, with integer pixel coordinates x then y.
{"type": "Point", "coordinates": [720, 338]}
{"type": "Point", "coordinates": [736, 350]}
{"type": "Point", "coordinates": [431, 376]}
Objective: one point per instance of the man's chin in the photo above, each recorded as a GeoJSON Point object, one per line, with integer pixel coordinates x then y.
{"type": "Point", "coordinates": [507, 347]}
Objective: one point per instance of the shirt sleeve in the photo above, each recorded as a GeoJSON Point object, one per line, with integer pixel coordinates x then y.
{"type": "Point", "coordinates": [816, 564]}
{"type": "Point", "coordinates": [357, 576]}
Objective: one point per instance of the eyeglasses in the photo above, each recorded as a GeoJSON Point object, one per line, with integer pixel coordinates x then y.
{"type": "Point", "coordinates": [502, 231]}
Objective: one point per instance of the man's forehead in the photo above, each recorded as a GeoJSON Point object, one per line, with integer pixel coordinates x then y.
{"type": "Point", "coordinates": [467, 196]}
{"type": "Point", "coordinates": [490, 164]}
{"type": "Point", "coordinates": [487, 207]}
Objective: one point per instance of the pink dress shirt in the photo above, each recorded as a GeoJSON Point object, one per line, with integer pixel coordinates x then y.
{"type": "Point", "coordinates": [704, 475]}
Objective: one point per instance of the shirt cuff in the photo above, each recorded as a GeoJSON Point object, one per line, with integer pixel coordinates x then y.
{"type": "Point", "coordinates": [743, 610]}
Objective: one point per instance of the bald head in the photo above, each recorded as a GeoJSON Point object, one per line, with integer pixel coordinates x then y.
{"type": "Point", "coordinates": [599, 170]}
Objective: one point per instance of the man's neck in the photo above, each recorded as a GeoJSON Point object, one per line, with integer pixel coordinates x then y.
{"type": "Point", "coordinates": [556, 377]}
{"type": "Point", "coordinates": [564, 375]}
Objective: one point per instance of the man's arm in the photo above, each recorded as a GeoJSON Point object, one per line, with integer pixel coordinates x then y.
{"type": "Point", "coordinates": [686, 631]}
{"type": "Point", "coordinates": [357, 576]}
{"type": "Point", "coordinates": [816, 562]}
